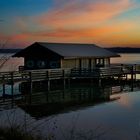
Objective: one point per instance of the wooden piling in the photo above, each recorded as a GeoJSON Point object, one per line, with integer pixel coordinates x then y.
{"type": "Point", "coordinates": [132, 73]}
{"type": "Point", "coordinates": [31, 87]}
{"type": "Point", "coordinates": [3, 86]}
{"type": "Point", "coordinates": [48, 82]}
{"type": "Point", "coordinates": [64, 85]}
{"type": "Point", "coordinates": [12, 85]}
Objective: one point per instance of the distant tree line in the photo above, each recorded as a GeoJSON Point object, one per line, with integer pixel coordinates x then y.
{"type": "Point", "coordinates": [9, 50]}
{"type": "Point", "coordinates": [124, 50]}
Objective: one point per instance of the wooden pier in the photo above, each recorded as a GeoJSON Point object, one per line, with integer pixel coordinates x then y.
{"type": "Point", "coordinates": [118, 71]}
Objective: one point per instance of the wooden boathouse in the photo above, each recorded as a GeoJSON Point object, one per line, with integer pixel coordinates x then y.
{"type": "Point", "coordinates": [64, 61]}
{"type": "Point", "coordinates": [64, 55]}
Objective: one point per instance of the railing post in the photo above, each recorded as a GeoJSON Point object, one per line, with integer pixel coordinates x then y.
{"type": "Point", "coordinates": [48, 80]}
{"type": "Point", "coordinates": [122, 68]}
{"type": "Point", "coordinates": [135, 71]}
{"type": "Point", "coordinates": [3, 86]}
{"type": "Point", "coordinates": [64, 82]}
{"type": "Point", "coordinates": [132, 73]}
{"type": "Point", "coordinates": [31, 86]}
{"type": "Point", "coordinates": [12, 84]}
{"type": "Point", "coordinates": [47, 74]}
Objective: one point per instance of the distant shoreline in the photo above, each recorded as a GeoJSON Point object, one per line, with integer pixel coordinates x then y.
{"type": "Point", "coordinates": [124, 50]}
{"type": "Point", "coordinates": [9, 50]}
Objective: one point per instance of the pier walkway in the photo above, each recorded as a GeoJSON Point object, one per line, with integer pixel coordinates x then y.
{"type": "Point", "coordinates": [52, 74]}
{"type": "Point", "coordinates": [114, 71]}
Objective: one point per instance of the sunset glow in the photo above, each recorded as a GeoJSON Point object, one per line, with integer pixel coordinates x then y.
{"type": "Point", "coordinates": [108, 23]}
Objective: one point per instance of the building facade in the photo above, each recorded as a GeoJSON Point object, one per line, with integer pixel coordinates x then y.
{"type": "Point", "coordinates": [42, 55]}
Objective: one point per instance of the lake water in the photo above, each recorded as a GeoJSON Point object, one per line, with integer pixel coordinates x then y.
{"type": "Point", "coordinates": [127, 59]}
{"type": "Point", "coordinates": [80, 112]}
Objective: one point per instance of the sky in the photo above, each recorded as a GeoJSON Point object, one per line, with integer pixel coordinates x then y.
{"type": "Point", "coordinates": [107, 23]}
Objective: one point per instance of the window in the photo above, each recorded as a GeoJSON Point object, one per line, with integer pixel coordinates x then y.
{"type": "Point", "coordinates": [54, 64]}
{"type": "Point", "coordinates": [30, 64]}
{"type": "Point", "coordinates": [41, 64]}
{"type": "Point", "coordinates": [100, 62]}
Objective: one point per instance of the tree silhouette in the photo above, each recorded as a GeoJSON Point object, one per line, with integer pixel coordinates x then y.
{"type": "Point", "coordinates": [3, 57]}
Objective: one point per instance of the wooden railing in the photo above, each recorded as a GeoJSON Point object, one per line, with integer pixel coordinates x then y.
{"type": "Point", "coordinates": [45, 74]}
{"type": "Point", "coordinates": [85, 72]}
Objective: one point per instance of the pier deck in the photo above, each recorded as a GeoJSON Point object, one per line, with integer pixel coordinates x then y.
{"type": "Point", "coordinates": [52, 74]}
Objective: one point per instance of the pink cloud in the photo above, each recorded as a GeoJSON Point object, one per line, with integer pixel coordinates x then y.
{"type": "Point", "coordinates": [76, 21]}
{"type": "Point", "coordinates": [84, 14]}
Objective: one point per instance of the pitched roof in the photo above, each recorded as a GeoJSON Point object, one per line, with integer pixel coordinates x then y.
{"type": "Point", "coordinates": [74, 50]}
{"type": "Point", "coordinates": [78, 50]}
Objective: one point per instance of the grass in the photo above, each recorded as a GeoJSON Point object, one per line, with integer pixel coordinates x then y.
{"type": "Point", "coordinates": [16, 134]}
{"type": "Point", "coordinates": [26, 129]}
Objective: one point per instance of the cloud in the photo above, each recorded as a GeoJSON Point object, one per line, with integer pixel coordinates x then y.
{"type": "Point", "coordinates": [79, 21]}
{"type": "Point", "coordinates": [82, 14]}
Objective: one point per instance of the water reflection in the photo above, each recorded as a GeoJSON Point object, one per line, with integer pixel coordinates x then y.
{"type": "Point", "coordinates": [44, 103]}
{"type": "Point", "coordinates": [86, 107]}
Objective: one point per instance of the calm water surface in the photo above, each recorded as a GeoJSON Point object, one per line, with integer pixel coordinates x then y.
{"type": "Point", "coordinates": [127, 59]}
{"type": "Point", "coordinates": [113, 113]}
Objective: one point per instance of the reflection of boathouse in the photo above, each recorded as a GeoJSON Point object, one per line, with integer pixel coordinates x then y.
{"type": "Point", "coordinates": [64, 55]}
{"type": "Point", "coordinates": [76, 97]}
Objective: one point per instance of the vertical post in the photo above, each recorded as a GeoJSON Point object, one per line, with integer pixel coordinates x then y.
{"type": "Point", "coordinates": [48, 82]}
{"type": "Point", "coordinates": [89, 65]}
{"type": "Point", "coordinates": [12, 84]}
{"type": "Point", "coordinates": [132, 78]}
{"type": "Point", "coordinates": [31, 86]}
{"type": "Point", "coordinates": [132, 73]}
{"type": "Point", "coordinates": [135, 69]}
{"type": "Point", "coordinates": [80, 66]}
{"type": "Point", "coordinates": [47, 74]}
{"type": "Point", "coordinates": [64, 83]}
{"type": "Point", "coordinates": [3, 86]}
{"type": "Point", "coordinates": [47, 77]}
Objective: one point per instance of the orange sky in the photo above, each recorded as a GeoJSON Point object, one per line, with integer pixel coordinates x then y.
{"type": "Point", "coordinates": [106, 23]}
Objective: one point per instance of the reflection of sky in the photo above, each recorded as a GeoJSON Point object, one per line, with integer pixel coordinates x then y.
{"type": "Point", "coordinates": [120, 119]}
{"type": "Point", "coordinates": [127, 59]}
